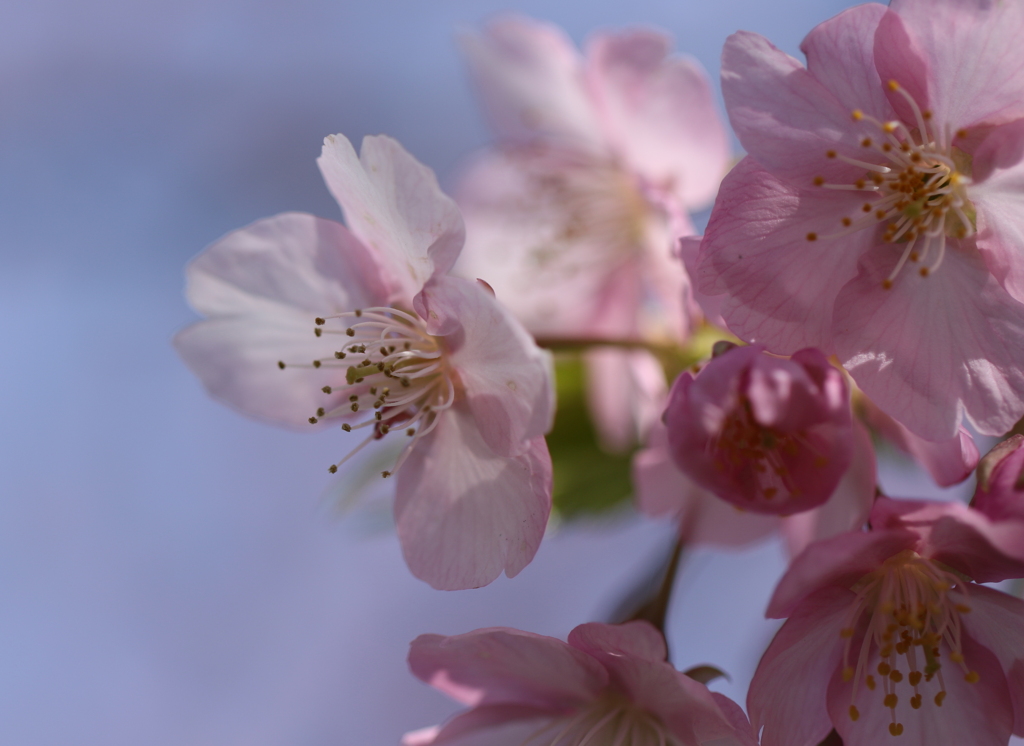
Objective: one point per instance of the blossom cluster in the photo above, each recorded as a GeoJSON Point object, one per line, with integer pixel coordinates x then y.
{"type": "Point", "coordinates": [860, 282]}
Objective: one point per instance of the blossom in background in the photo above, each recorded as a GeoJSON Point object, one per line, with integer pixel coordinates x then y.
{"type": "Point", "coordinates": [663, 491]}
{"type": "Point", "coordinates": [610, 684]}
{"type": "Point", "coordinates": [886, 634]}
{"type": "Point", "coordinates": [1000, 491]}
{"type": "Point", "coordinates": [766, 434]}
{"type": "Point", "coordinates": [573, 216]}
{"type": "Point", "coordinates": [310, 321]}
{"type": "Point", "coordinates": [879, 215]}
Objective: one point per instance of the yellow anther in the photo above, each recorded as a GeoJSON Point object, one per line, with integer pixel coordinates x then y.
{"type": "Point", "coordinates": [819, 180]}
{"type": "Point", "coordinates": [333, 469]}
{"type": "Point", "coordinates": [963, 608]}
{"type": "Point", "coordinates": [812, 236]}
{"type": "Point", "coordinates": [961, 133]}
{"type": "Point", "coordinates": [857, 115]}
{"type": "Point", "coordinates": [886, 284]}
{"type": "Point", "coordinates": [890, 701]}
{"type": "Point", "coordinates": [895, 676]}
{"type": "Point", "coordinates": [846, 632]}
{"type": "Point", "coordinates": [896, 729]}
{"type": "Point", "coordinates": [854, 713]}
{"type": "Point", "coordinates": [847, 673]}
{"type": "Point", "coordinates": [914, 678]}
{"type": "Point", "coordinates": [870, 681]}
{"type": "Point", "coordinates": [830, 154]}
{"type": "Point", "coordinates": [847, 222]}
{"type": "Point", "coordinates": [889, 128]}
{"type": "Point", "coordinates": [956, 657]}
{"type": "Point", "coordinates": [923, 271]}
{"type": "Point", "coordinates": [971, 677]}
{"type": "Point", "coordinates": [884, 668]}
{"type": "Point", "coordinates": [915, 701]}
{"type": "Point", "coordinates": [893, 85]}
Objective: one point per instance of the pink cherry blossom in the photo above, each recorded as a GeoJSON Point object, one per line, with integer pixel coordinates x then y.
{"type": "Point", "coordinates": [573, 216]}
{"type": "Point", "coordinates": [610, 684]}
{"type": "Point", "coordinates": [663, 491]}
{"type": "Point", "coordinates": [879, 216]}
{"type": "Point", "coordinates": [886, 634]}
{"type": "Point", "coordinates": [310, 321]}
{"type": "Point", "coordinates": [767, 434]}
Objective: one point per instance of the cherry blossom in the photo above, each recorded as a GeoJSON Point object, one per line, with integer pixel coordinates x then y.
{"type": "Point", "coordinates": [878, 216]}
{"type": "Point", "coordinates": [609, 684]}
{"type": "Point", "coordinates": [310, 321]}
{"type": "Point", "coordinates": [573, 216]}
{"type": "Point", "coordinates": [887, 636]}
{"type": "Point", "coordinates": [767, 434]}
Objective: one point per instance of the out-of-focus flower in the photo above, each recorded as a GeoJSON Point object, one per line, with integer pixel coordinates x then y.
{"type": "Point", "coordinates": [886, 634]}
{"type": "Point", "coordinates": [308, 320]}
{"type": "Point", "coordinates": [610, 684]}
{"type": "Point", "coordinates": [879, 215]}
{"type": "Point", "coordinates": [767, 434]}
{"type": "Point", "coordinates": [1000, 490]}
{"type": "Point", "coordinates": [573, 217]}
{"type": "Point", "coordinates": [663, 491]}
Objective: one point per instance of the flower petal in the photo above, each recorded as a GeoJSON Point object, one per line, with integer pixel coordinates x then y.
{"type": "Point", "coordinates": [507, 380]}
{"type": "Point", "coordinates": [999, 201]}
{"type": "Point", "coordinates": [973, 54]}
{"type": "Point", "coordinates": [932, 348]}
{"type": "Point", "coordinates": [785, 118]}
{"type": "Point", "coordinates": [841, 57]}
{"type": "Point", "coordinates": [996, 622]}
{"type": "Point", "coordinates": [464, 513]}
{"type": "Point", "coordinates": [489, 725]}
{"type": "Point", "coordinates": [625, 392]}
{"type": "Point", "coordinates": [661, 489]}
{"type": "Point", "coordinates": [262, 287]}
{"type": "Point", "coordinates": [393, 203]}
{"type": "Point", "coordinates": [781, 287]}
{"type": "Point", "coordinates": [636, 639]}
{"type": "Point", "coordinates": [848, 507]}
{"type": "Point", "coordinates": [838, 561]}
{"type": "Point", "coordinates": [658, 112]}
{"type": "Point", "coordinates": [530, 79]}
{"type": "Point", "coordinates": [787, 693]}
{"type": "Point", "coordinates": [503, 665]}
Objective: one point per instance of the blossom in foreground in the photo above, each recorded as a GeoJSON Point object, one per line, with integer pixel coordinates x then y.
{"type": "Point", "coordinates": [609, 685]}
{"type": "Point", "coordinates": [310, 321]}
{"type": "Point", "coordinates": [573, 216]}
{"type": "Point", "coordinates": [878, 216]}
{"type": "Point", "coordinates": [887, 636]}
{"type": "Point", "coordinates": [767, 434]}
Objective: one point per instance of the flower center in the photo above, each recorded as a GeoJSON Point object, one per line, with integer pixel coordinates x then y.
{"type": "Point", "coordinates": [609, 721]}
{"type": "Point", "coordinates": [910, 621]}
{"type": "Point", "coordinates": [920, 186]}
{"type": "Point", "coordinates": [743, 442]}
{"type": "Point", "coordinates": [395, 377]}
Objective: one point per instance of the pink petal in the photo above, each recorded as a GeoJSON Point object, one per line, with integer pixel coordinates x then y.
{"type": "Point", "coordinates": [464, 513]}
{"type": "Point", "coordinates": [974, 57]}
{"type": "Point", "coordinates": [710, 306]}
{"type": "Point", "coordinates": [839, 561]}
{"type": "Point", "coordinates": [848, 507]}
{"type": "Point", "coordinates": [507, 380]}
{"type": "Point", "coordinates": [502, 665]}
{"type": "Point", "coordinates": [658, 112]}
{"type": "Point", "coordinates": [625, 393]}
{"type": "Point", "coordinates": [996, 622]}
{"type": "Point", "coordinates": [393, 203]}
{"type": "Point", "coordinates": [841, 56]}
{"type": "Point", "coordinates": [661, 489]}
{"type": "Point", "coordinates": [636, 639]}
{"type": "Point", "coordinates": [530, 80]}
{"type": "Point", "coordinates": [979, 714]}
{"type": "Point", "coordinates": [262, 287]}
{"type": "Point", "coordinates": [984, 550]}
{"type": "Point", "coordinates": [931, 349]}
{"type": "Point", "coordinates": [948, 461]}
{"type": "Point", "coordinates": [486, 725]}
{"type": "Point", "coordinates": [735, 715]}
{"type": "Point", "coordinates": [785, 118]}
{"type": "Point", "coordinates": [780, 287]}
{"type": "Point", "coordinates": [899, 58]}
{"type": "Point", "coordinates": [1000, 491]}
{"type": "Point", "coordinates": [999, 201]}
{"type": "Point", "coordinates": [787, 693]}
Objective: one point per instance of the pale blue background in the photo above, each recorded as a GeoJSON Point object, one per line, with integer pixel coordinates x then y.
{"type": "Point", "coordinates": [170, 572]}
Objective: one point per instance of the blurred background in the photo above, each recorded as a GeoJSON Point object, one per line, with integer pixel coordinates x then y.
{"type": "Point", "coordinates": [170, 572]}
